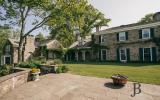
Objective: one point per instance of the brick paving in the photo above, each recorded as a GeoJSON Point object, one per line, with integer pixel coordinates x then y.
{"type": "Point", "coordinates": [75, 87]}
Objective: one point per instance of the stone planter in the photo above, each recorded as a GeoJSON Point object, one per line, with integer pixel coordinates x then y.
{"type": "Point", "coordinates": [35, 76]}
{"type": "Point", "coordinates": [119, 79]}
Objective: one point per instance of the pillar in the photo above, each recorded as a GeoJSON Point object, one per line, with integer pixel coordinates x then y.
{"type": "Point", "coordinates": [83, 55]}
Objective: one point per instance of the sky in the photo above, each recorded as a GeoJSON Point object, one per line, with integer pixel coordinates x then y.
{"type": "Point", "coordinates": [121, 12]}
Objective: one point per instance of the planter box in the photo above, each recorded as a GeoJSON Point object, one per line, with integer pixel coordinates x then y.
{"type": "Point", "coordinates": [45, 69]}
{"type": "Point", "coordinates": [119, 79]}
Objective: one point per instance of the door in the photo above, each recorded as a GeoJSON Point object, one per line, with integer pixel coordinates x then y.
{"type": "Point", "coordinates": [103, 55]}
{"type": "Point", "coordinates": [147, 54]}
{"type": "Point", "coordinates": [123, 55]}
{"type": "Point", "coordinates": [7, 60]}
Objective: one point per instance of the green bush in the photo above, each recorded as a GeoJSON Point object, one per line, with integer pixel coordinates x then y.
{"type": "Point", "coordinates": [5, 70]}
{"type": "Point", "coordinates": [62, 69]}
{"type": "Point", "coordinates": [30, 64]}
{"type": "Point", "coordinates": [57, 61]}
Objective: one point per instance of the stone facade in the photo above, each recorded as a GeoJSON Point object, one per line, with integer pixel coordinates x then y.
{"type": "Point", "coordinates": [133, 48]}
{"type": "Point", "coordinates": [10, 56]}
{"type": "Point", "coordinates": [133, 42]}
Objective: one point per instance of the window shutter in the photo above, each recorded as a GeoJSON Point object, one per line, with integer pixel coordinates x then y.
{"type": "Point", "coordinates": [141, 54]}
{"type": "Point", "coordinates": [126, 35]}
{"type": "Point", "coordinates": [100, 39]}
{"type": "Point", "coordinates": [99, 55]}
{"type": "Point", "coordinates": [117, 36]}
{"type": "Point", "coordinates": [118, 59]}
{"type": "Point", "coordinates": [152, 32]}
{"type": "Point", "coordinates": [140, 34]}
{"type": "Point", "coordinates": [128, 54]}
{"type": "Point", "coordinates": [92, 37]}
{"type": "Point", "coordinates": [154, 54]}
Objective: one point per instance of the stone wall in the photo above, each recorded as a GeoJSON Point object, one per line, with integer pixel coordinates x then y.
{"type": "Point", "coordinates": [9, 82]}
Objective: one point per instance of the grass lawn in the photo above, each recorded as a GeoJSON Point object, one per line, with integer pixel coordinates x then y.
{"type": "Point", "coordinates": [145, 73]}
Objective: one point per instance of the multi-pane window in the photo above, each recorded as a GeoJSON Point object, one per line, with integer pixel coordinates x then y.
{"type": "Point", "coordinates": [146, 33]}
{"type": "Point", "coordinates": [7, 48]}
{"type": "Point", "coordinates": [123, 56]}
{"type": "Point", "coordinates": [147, 54]}
{"type": "Point", "coordinates": [103, 55]}
{"type": "Point", "coordinates": [122, 36]}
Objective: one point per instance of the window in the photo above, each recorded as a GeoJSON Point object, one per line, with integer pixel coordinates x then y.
{"type": "Point", "coordinates": [122, 36]}
{"type": "Point", "coordinates": [103, 55]}
{"type": "Point", "coordinates": [147, 54]}
{"type": "Point", "coordinates": [7, 49]}
{"type": "Point", "coordinates": [102, 38]}
{"type": "Point", "coordinates": [123, 55]}
{"type": "Point", "coordinates": [146, 33]}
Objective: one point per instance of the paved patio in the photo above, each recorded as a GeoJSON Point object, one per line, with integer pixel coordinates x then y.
{"type": "Point", "coordinates": [75, 87]}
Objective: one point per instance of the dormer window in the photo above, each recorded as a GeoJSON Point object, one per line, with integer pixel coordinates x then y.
{"type": "Point", "coordinates": [122, 36]}
{"type": "Point", "coordinates": [146, 33]}
{"type": "Point", "coordinates": [7, 48]}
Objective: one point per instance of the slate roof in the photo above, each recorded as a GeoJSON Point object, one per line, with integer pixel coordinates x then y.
{"type": "Point", "coordinates": [85, 44]}
{"type": "Point", "coordinates": [51, 44]}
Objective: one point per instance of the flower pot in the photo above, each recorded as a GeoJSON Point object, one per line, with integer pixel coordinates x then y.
{"type": "Point", "coordinates": [35, 76]}
{"type": "Point", "coordinates": [119, 79]}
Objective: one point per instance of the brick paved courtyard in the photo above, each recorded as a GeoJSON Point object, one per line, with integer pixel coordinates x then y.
{"type": "Point", "coordinates": [75, 87]}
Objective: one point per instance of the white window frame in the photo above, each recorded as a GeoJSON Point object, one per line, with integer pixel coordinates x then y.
{"type": "Point", "coordinates": [4, 58]}
{"type": "Point", "coordinates": [125, 50]}
{"type": "Point", "coordinates": [150, 53]}
{"type": "Point", "coordinates": [122, 34]}
{"type": "Point", "coordinates": [8, 48]}
{"type": "Point", "coordinates": [148, 29]}
{"type": "Point", "coordinates": [102, 55]}
{"type": "Point", "coordinates": [102, 38]}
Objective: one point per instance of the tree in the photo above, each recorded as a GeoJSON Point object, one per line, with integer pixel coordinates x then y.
{"type": "Point", "coordinates": [21, 12]}
{"type": "Point", "coordinates": [40, 36]}
{"type": "Point", "coordinates": [75, 15]}
{"type": "Point", "coordinates": [4, 34]}
{"type": "Point", "coordinates": [147, 18]}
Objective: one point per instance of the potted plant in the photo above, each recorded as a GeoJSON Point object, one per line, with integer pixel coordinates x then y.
{"type": "Point", "coordinates": [35, 74]}
{"type": "Point", "coordinates": [119, 79]}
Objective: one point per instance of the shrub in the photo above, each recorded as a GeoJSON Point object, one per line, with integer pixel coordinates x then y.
{"type": "Point", "coordinates": [30, 64]}
{"type": "Point", "coordinates": [62, 69]}
{"type": "Point", "coordinates": [5, 70]}
{"type": "Point", "coordinates": [57, 61]}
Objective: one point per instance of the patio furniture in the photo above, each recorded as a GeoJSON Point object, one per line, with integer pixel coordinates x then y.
{"type": "Point", "coordinates": [119, 79]}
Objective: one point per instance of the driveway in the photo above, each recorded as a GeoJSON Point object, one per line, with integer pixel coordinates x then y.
{"type": "Point", "coordinates": [75, 87]}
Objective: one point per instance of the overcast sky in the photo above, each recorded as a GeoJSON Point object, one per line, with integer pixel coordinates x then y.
{"type": "Point", "coordinates": [123, 12]}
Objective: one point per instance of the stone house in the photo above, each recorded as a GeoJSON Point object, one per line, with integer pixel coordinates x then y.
{"type": "Point", "coordinates": [49, 49]}
{"type": "Point", "coordinates": [10, 50]}
{"type": "Point", "coordinates": [127, 43]}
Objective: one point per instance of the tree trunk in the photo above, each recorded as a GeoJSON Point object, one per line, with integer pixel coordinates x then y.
{"type": "Point", "coordinates": [20, 50]}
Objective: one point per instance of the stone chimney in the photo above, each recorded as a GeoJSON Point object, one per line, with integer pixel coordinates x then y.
{"type": "Point", "coordinates": [29, 47]}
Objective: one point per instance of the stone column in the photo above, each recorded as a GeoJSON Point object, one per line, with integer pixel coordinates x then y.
{"type": "Point", "coordinates": [83, 55]}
